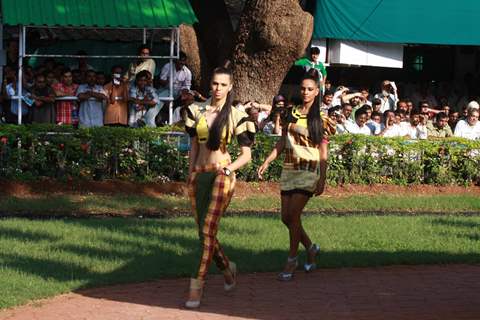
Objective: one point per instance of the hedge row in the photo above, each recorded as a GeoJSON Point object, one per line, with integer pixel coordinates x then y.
{"type": "Point", "coordinates": [31, 152]}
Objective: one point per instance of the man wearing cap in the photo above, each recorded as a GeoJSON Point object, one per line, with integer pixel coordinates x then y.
{"type": "Point", "coordinates": [473, 105]}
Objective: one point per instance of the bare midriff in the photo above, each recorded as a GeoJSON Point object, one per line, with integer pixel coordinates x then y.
{"type": "Point", "coordinates": [206, 156]}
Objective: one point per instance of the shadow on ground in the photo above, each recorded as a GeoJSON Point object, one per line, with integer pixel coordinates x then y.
{"type": "Point", "coordinates": [325, 291]}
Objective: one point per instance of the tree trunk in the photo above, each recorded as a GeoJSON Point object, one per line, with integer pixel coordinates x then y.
{"type": "Point", "coordinates": [214, 32]}
{"type": "Point", "coordinates": [271, 35]}
{"type": "Point", "coordinates": [195, 56]}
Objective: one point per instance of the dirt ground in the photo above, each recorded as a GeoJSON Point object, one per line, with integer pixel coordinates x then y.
{"type": "Point", "coordinates": [394, 293]}
{"type": "Point", "coordinates": [243, 189]}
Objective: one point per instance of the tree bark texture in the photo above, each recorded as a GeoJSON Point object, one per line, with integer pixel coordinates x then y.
{"type": "Point", "coordinates": [196, 60]}
{"type": "Point", "coordinates": [214, 33]}
{"type": "Point", "coordinates": [271, 35]}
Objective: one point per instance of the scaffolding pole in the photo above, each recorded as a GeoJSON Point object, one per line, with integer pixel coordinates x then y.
{"type": "Point", "coordinates": [21, 44]}
{"type": "Point", "coordinates": [91, 56]}
{"type": "Point", "coordinates": [1, 48]}
{"type": "Point", "coordinates": [170, 105]}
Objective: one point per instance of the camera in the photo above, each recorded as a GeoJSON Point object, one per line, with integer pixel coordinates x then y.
{"type": "Point", "coordinates": [141, 123]}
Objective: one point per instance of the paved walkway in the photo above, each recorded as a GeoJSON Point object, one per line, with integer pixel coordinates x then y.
{"type": "Point", "coordinates": [390, 293]}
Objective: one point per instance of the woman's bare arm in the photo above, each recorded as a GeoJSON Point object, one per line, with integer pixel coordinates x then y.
{"type": "Point", "coordinates": [279, 147]}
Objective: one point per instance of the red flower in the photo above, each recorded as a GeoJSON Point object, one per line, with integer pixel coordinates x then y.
{"type": "Point", "coordinates": [61, 146]}
{"type": "Point", "coordinates": [84, 147]}
{"type": "Point", "coordinates": [4, 140]}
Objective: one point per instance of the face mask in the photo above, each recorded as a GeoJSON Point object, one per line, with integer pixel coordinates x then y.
{"type": "Point", "coordinates": [116, 78]}
{"type": "Point", "coordinates": [385, 93]}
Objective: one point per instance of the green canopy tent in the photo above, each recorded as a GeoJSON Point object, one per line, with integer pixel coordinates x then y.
{"type": "Point", "coordinates": [399, 21]}
{"type": "Point", "coordinates": [93, 14]}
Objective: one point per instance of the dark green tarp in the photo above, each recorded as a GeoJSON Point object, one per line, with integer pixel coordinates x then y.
{"type": "Point", "coordinates": [98, 13]}
{"type": "Point", "coordinates": [399, 21]}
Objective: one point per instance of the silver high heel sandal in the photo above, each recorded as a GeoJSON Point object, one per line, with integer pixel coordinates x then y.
{"type": "Point", "coordinates": [195, 284]}
{"type": "Point", "coordinates": [315, 249]}
{"type": "Point", "coordinates": [232, 268]}
{"type": "Point", "coordinates": [287, 276]}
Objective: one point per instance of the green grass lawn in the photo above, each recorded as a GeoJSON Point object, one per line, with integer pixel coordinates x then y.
{"type": "Point", "coordinates": [66, 205]}
{"type": "Point", "coordinates": [41, 258]}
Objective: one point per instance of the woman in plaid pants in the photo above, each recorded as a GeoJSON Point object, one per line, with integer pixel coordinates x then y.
{"type": "Point", "coordinates": [211, 126]}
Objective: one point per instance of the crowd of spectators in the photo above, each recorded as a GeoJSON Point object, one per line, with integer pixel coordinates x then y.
{"type": "Point", "coordinates": [80, 96]}
{"type": "Point", "coordinates": [389, 115]}
{"type": "Point", "coordinates": [386, 113]}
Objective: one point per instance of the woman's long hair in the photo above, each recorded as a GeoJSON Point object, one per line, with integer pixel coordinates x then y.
{"type": "Point", "coordinates": [221, 122]}
{"type": "Point", "coordinates": [314, 119]}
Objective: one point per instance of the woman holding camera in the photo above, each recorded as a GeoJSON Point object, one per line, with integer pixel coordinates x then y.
{"type": "Point", "coordinates": [211, 126]}
{"type": "Point", "coordinates": [272, 124]}
{"type": "Point", "coordinates": [304, 169]}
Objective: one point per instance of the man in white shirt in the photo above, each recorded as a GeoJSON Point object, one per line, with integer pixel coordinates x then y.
{"type": "Point", "coordinates": [359, 127]}
{"type": "Point", "coordinates": [470, 127]}
{"type": "Point", "coordinates": [388, 96]}
{"type": "Point", "coordinates": [389, 129]}
{"type": "Point", "coordinates": [344, 122]}
{"type": "Point", "coordinates": [336, 116]}
{"type": "Point", "coordinates": [182, 76]}
{"type": "Point", "coordinates": [347, 110]}
{"type": "Point", "coordinates": [417, 129]}
{"type": "Point", "coordinates": [145, 63]}
{"type": "Point", "coordinates": [91, 97]}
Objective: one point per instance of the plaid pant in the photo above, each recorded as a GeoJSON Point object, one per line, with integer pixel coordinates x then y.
{"type": "Point", "coordinates": [210, 195]}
